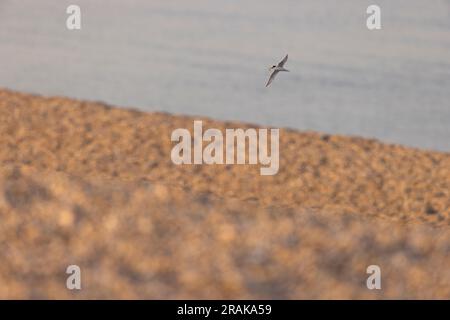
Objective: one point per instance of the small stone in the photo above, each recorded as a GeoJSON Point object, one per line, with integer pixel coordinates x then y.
{"type": "Point", "coordinates": [161, 192]}
{"type": "Point", "coordinates": [429, 209]}
{"type": "Point", "coordinates": [66, 218]}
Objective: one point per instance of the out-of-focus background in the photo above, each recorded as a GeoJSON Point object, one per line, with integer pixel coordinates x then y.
{"type": "Point", "coordinates": [211, 57]}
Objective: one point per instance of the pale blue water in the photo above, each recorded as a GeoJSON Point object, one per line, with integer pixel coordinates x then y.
{"type": "Point", "coordinates": [211, 57]}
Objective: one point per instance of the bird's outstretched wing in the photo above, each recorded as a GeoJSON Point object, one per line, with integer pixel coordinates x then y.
{"type": "Point", "coordinates": [272, 76]}
{"type": "Point", "coordinates": [282, 62]}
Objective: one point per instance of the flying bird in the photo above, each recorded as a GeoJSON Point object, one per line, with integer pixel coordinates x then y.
{"type": "Point", "coordinates": [275, 69]}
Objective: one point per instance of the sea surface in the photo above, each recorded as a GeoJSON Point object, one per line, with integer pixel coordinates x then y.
{"type": "Point", "coordinates": [211, 58]}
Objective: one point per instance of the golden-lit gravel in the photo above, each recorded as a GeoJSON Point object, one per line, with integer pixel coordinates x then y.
{"type": "Point", "coordinates": [87, 184]}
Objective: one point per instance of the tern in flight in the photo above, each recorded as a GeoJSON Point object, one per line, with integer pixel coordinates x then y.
{"type": "Point", "coordinates": [275, 69]}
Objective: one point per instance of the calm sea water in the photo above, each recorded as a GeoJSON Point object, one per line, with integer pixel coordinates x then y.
{"type": "Point", "coordinates": [211, 57]}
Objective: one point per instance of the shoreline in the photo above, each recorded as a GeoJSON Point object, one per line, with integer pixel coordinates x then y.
{"type": "Point", "coordinates": [237, 123]}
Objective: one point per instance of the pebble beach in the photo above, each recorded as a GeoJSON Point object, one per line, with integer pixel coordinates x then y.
{"type": "Point", "coordinates": [91, 184]}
